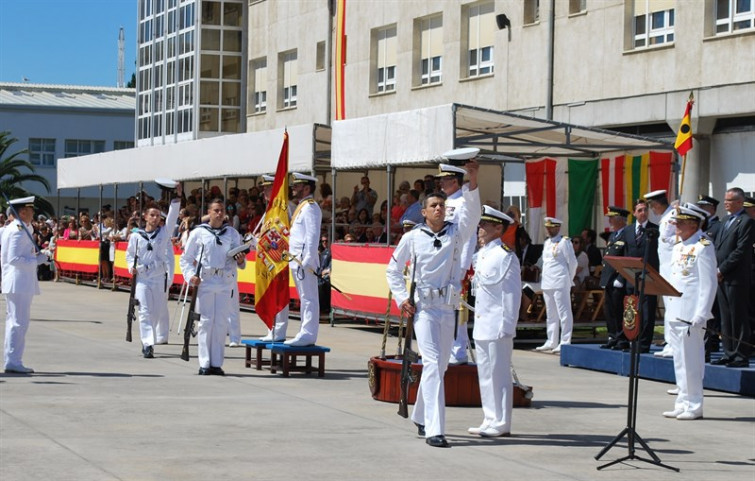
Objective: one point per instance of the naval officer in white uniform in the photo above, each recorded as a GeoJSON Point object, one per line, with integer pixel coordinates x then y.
{"type": "Point", "coordinates": [497, 287]}
{"type": "Point", "coordinates": [217, 283]}
{"type": "Point", "coordinates": [559, 268]}
{"type": "Point", "coordinates": [19, 258]}
{"type": "Point", "coordinates": [435, 249]}
{"type": "Point", "coordinates": [693, 273]}
{"type": "Point", "coordinates": [303, 242]}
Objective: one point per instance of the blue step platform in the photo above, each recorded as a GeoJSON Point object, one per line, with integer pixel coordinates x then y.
{"type": "Point", "coordinates": [719, 378]}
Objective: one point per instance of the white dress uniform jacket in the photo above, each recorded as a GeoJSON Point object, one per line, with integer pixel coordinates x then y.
{"type": "Point", "coordinates": [498, 293]}
{"type": "Point", "coordinates": [19, 260]}
{"type": "Point", "coordinates": [438, 278]}
{"type": "Point", "coordinates": [693, 273]}
{"type": "Point", "coordinates": [559, 268]}
{"type": "Point", "coordinates": [218, 275]}
{"type": "Point", "coordinates": [666, 241]}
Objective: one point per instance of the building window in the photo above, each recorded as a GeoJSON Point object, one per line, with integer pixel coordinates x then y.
{"type": "Point", "coordinates": [320, 56]}
{"type": "Point", "coordinates": [431, 50]}
{"type": "Point", "coordinates": [653, 22]}
{"type": "Point", "coordinates": [384, 48]}
{"type": "Point", "coordinates": [531, 11]}
{"type": "Point", "coordinates": [75, 148]}
{"type": "Point", "coordinates": [577, 6]}
{"type": "Point", "coordinates": [123, 144]}
{"type": "Point", "coordinates": [42, 152]}
{"type": "Point", "coordinates": [289, 76]}
{"type": "Point", "coordinates": [480, 35]}
{"type": "Point", "coordinates": [259, 85]}
{"type": "Point", "coordinates": [734, 15]}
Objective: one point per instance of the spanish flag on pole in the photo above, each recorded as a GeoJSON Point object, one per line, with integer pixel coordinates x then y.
{"type": "Point", "coordinates": [684, 136]}
{"type": "Point", "coordinates": [271, 292]}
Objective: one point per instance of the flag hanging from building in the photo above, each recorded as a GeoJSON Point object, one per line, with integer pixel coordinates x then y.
{"type": "Point", "coordinates": [340, 89]}
{"type": "Point", "coordinates": [271, 293]}
{"type": "Point", "coordinates": [684, 136]}
{"type": "Point", "coordinates": [583, 183]}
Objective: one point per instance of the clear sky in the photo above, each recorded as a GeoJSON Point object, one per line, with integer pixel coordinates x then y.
{"type": "Point", "coordinates": [67, 42]}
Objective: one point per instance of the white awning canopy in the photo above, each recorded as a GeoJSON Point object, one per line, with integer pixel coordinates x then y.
{"type": "Point", "coordinates": [421, 135]}
{"type": "Point", "coordinates": [238, 155]}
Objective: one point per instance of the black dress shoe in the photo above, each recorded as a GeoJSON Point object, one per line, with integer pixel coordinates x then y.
{"type": "Point", "coordinates": [609, 344]}
{"type": "Point", "coordinates": [741, 363]}
{"type": "Point", "coordinates": [148, 352]}
{"type": "Point", "coordinates": [644, 349]}
{"type": "Point", "coordinates": [420, 429]}
{"type": "Point", "coordinates": [437, 442]}
{"type": "Point", "coordinates": [204, 371]}
{"type": "Point", "coordinates": [216, 371]}
{"type": "Point", "coordinates": [721, 362]}
{"type": "Point", "coordinates": [621, 346]}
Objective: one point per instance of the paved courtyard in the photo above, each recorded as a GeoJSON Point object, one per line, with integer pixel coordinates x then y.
{"type": "Point", "coordinates": [96, 410]}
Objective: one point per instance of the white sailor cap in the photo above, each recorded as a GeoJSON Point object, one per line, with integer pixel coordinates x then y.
{"type": "Point", "coordinates": [655, 195]}
{"type": "Point", "coordinates": [465, 153]}
{"type": "Point", "coordinates": [490, 214]}
{"type": "Point", "coordinates": [22, 202]}
{"type": "Point", "coordinates": [445, 170]}
{"type": "Point", "coordinates": [690, 211]}
{"type": "Point", "coordinates": [267, 180]}
{"type": "Point", "coordinates": [408, 224]}
{"type": "Point", "coordinates": [552, 222]}
{"type": "Point", "coordinates": [166, 183]}
{"type": "Point", "coordinates": [300, 178]}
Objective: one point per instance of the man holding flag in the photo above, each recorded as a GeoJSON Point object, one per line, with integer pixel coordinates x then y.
{"type": "Point", "coordinates": [271, 294]}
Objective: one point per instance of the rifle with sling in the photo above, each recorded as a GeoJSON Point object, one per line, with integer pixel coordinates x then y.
{"type": "Point", "coordinates": [133, 302]}
{"type": "Point", "coordinates": [409, 356]}
{"type": "Point", "coordinates": [193, 314]}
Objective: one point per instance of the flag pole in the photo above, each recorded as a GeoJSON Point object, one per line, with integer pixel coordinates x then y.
{"type": "Point", "coordinates": [684, 165]}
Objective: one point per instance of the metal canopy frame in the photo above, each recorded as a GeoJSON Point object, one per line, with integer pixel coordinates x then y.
{"type": "Point", "coordinates": [521, 137]}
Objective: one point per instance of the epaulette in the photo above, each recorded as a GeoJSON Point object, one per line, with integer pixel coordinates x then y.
{"type": "Point", "coordinates": [19, 226]}
{"type": "Point", "coordinates": [505, 247]}
{"type": "Point", "coordinates": [704, 241]}
{"type": "Point", "coordinates": [566, 238]}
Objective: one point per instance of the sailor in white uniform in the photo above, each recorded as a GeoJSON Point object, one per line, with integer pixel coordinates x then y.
{"type": "Point", "coordinates": [434, 248]}
{"type": "Point", "coordinates": [497, 286]}
{"type": "Point", "coordinates": [303, 242]}
{"type": "Point", "coordinates": [450, 178]}
{"type": "Point", "coordinates": [658, 203]}
{"type": "Point", "coordinates": [19, 258]}
{"type": "Point", "coordinates": [693, 273]}
{"type": "Point", "coordinates": [559, 268]}
{"type": "Point", "coordinates": [217, 283]}
{"type": "Point", "coordinates": [150, 246]}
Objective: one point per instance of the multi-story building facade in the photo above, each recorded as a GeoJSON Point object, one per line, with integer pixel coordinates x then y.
{"type": "Point", "coordinates": [191, 69]}
{"type": "Point", "coordinates": [628, 65]}
{"type": "Point", "coordinates": [59, 121]}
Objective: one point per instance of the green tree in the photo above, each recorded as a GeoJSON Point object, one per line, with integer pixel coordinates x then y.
{"type": "Point", "coordinates": [14, 170]}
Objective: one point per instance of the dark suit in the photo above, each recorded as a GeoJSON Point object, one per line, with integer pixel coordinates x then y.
{"type": "Point", "coordinates": [734, 255]}
{"type": "Point", "coordinates": [613, 307]}
{"type": "Point", "coordinates": [713, 227]}
{"type": "Point", "coordinates": [636, 248]}
{"type": "Point", "coordinates": [712, 342]}
{"type": "Point", "coordinates": [594, 258]}
{"type": "Point", "coordinates": [531, 255]}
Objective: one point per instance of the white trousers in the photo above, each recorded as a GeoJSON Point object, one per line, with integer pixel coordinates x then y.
{"type": "Point", "coordinates": [496, 386]}
{"type": "Point", "coordinates": [434, 328]}
{"type": "Point", "coordinates": [559, 315]}
{"type": "Point", "coordinates": [306, 287]}
{"type": "Point", "coordinates": [153, 310]}
{"type": "Point", "coordinates": [459, 348]}
{"type": "Point", "coordinates": [162, 326]}
{"type": "Point", "coordinates": [234, 317]}
{"type": "Point", "coordinates": [213, 304]}
{"type": "Point", "coordinates": [281, 325]}
{"type": "Point", "coordinates": [689, 366]}
{"type": "Point", "coordinates": [17, 317]}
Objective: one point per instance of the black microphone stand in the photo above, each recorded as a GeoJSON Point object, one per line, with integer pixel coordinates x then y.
{"type": "Point", "coordinates": [630, 430]}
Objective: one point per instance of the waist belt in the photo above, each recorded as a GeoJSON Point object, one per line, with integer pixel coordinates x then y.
{"type": "Point", "coordinates": [213, 271]}
{"type": "Point", "coordinates": [430, 293]}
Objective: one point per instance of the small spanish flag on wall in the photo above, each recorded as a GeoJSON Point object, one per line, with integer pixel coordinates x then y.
{"type": "Point", "coordinates": [684, 136]}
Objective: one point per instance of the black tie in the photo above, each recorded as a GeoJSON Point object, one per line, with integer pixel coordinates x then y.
{"type": "Point", "coordinates": [640, 233]}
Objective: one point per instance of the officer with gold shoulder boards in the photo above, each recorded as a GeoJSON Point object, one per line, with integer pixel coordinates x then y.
{"type": "Point", "coordinates": [612, 282]}
{"type": "Point", "coordinates": [19, 258]}
{"type": "Point", "coordinates": [303, 242]}
{"type": "Point", "coordinates": [693, 273]}
{"type": "Point", "coordinates": [559, 268]}
{"type": "Point", "coordinates": [497, 286]}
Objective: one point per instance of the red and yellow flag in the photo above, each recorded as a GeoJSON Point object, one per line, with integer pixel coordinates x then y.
{"type": "Point", "coordinates": [271, 292]}
{"type": "Point", "coordinates": [684, 136]}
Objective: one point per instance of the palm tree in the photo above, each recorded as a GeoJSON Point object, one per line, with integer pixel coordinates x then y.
{"type": "Point", "coordinates": [13, 172]}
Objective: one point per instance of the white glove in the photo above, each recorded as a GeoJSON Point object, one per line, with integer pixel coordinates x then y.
{"type": "Point", "coordinates": [618, 283]}
{"type": "Point", "coordinates": [698, 321]}
{"type": "Point", "coordinates": [42, 259]}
